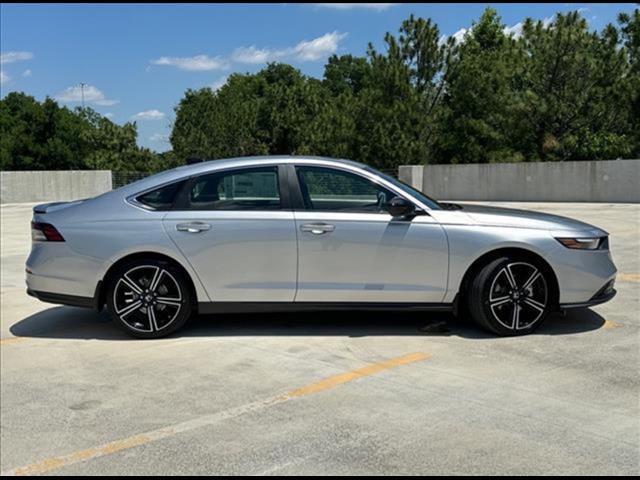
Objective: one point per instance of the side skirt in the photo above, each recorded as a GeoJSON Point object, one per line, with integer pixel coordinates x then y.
{"type": "Point", "coordinates": [265, 307]}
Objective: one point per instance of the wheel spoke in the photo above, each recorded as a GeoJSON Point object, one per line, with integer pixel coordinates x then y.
{"type": "Point", "coordinates": [130, 308]}
{"type": "Point", "coordinates": [152, 318]}
{"type": "Point", "coordinates": [510, 278]}
{"type": "Point", "coordinates": [515, 318]}
{"type": "Point", "coordinates": [156, 280]}
{"type": "Point", "coordinates": [537, 305]}
{"type": "Point", "coordinates": [499, 301]}
{"type": "Point", "coordinates": [534, 276]}
{"type": "Point", "coordinates": [131, 284]}
{"type": "Point", "coordinates": [169, 301]}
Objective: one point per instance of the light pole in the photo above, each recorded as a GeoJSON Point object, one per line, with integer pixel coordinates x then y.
{"type": "Point", "coordinates": [82, 85]}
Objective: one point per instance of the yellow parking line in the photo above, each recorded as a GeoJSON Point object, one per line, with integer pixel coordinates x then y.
{"type": "Point", "coordinates": [628, 277]}
{"type": "Point", "coordinates": [55, 463]}
{"type": "Point", "coordinates": [608, 324]}
{"type": "Point", "coordinates": [336, 380]}
{"type": "Point", "coordinates": [10, 340]}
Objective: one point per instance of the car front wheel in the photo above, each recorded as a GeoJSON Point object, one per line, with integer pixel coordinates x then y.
{"type": "Point", "coordinates": [149, 298]}
{"type": "Point", "coordinates": [510, 296]}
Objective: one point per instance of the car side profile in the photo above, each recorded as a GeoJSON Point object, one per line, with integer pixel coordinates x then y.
{"type": "Point", "coordinates": [279, 233]}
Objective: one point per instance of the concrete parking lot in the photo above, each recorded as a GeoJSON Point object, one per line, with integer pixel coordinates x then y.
{"type": "Point", "coordinates": [355, 393]}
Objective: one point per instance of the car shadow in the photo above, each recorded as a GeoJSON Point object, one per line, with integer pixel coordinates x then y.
{"type": "Point", "coordinates": [78, 323]}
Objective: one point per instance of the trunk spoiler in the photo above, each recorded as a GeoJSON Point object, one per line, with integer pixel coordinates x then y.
{"type": "Point", "coordinates": [53, 206]}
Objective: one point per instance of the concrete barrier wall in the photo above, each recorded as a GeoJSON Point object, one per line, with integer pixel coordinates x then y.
{"type": "Point", "coordinates": [52, 186]}
{"type": "Point", "coordinates": [588, 181]}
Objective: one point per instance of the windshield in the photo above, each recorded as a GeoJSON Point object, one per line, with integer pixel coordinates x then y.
{"type": "Point", "coordinates": [428, 201]}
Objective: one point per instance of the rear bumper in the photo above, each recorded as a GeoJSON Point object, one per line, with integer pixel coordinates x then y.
{"type": "Point", "coordinates": [60, 299]}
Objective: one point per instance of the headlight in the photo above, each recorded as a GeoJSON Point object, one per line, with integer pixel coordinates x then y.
{"type": "Point", "coordinates": [584, 243]}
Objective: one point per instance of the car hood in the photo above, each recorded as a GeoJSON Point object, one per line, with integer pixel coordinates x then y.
{"type": "Point", "coordinates": [511, 217]}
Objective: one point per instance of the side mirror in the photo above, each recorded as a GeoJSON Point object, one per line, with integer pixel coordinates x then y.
{"type": "Point", "coordinates": [399, 207]}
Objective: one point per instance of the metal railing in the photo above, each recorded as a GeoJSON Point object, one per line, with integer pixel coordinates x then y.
{"type": "Point", "coordinates": [119, 179]}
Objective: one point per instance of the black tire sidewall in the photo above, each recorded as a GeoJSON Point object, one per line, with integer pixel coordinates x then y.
{"type": "Point", "coordinates": [183, 315]}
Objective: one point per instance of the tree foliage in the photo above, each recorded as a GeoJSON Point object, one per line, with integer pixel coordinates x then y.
{"type": "Point", "coordinates": [557, 91]}
{"type": "Point", "coordinates": [44, 136]}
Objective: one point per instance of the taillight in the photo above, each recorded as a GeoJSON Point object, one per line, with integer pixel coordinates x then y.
{"type": "Point", "coordinates": [45, 232]}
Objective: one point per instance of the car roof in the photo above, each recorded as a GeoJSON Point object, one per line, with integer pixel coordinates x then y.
{"type": "Point", "coordinates": [207, 165]}
{"type": "Point", "coordinates": [222, 164]}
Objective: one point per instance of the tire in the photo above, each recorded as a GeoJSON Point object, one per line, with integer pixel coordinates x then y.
{"type": "Point", "coordinates": [149, 298]}
{"type": "Point", "coordinates": [510, 296]}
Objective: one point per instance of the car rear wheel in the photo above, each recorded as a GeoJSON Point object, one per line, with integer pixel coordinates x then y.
{"type": "Point", "coordinates": [510, 296]}
{"type": "Point", "coordinates": [149, 298]}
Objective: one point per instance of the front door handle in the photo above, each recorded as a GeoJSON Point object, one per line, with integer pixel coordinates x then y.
{"type": "Point", "coordinates": [193, 227]}
{"type": "Point", "coordinates": [317, 228]}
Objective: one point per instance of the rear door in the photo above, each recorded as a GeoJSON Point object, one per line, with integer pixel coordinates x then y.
{"type": "Point", "coordinates": [351, 250]}
{"type": "Point", "coordinates": [237, 230]}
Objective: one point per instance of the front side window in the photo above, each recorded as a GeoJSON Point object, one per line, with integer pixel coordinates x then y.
{"type": "Point", "coordinates": [327, 189]}
{"type": "Point", "coordinates": [243, 189]}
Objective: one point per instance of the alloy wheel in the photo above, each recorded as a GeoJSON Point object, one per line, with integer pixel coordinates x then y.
{"type": "Point", "coordinates": [518, 295]}
{"type": "Point", "coordinates": [147, 298]}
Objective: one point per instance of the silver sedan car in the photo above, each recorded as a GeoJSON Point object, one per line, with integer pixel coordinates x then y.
{"type": "Point", "coordinates": [299, 233]}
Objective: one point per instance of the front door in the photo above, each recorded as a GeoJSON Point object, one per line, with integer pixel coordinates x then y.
{"type": "Point", "coordinates": [239, 235]}
{"type": "Point", "coordinates": [351, 250]}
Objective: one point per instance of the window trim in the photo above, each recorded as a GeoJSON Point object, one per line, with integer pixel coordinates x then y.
{"type": "Point", "coordinates": [298, 200]}
{"type": "Point", "coordinates": [181, 202]}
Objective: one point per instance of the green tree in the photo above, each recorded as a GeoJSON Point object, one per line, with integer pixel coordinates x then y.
{"type": "Point", "coordinates": [45, 136]}
{"type": "Point", "coordinates": [480, 95]}
{"type": "Point", "coordinates": [575, 91]}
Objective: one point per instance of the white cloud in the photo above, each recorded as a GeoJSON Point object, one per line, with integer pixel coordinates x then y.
{"type": "Point", "coordinates": [350, 6]}
{"type": "Point", "coordinates": [199, 63]}
{"type": "Point", "coordinates": [318, 47]}
{"type": "Point", "coordinates": [305, 51]}
{"type": "Point", "coordinates": [253, 55]}
{"type": "Point", "coordinates": [514, 30]}
{"type": "Point", "coordinates": [108, 115]}
{"type": "Point", "coordinates": [218, 84]}
{"type": "Point", "coordinates": [148, 115]}
{"type": "Point", "coordinates": [10, 57]}
{"type": "Point", "coordinates": [91, 95]}
{"type": "Point", "coordinates": [4, 78]}
{"type": "Point", "coordinates": [459, 35]}
{"type": "Point", "coordinates": [26, 73]}
{"type": "Point", "coordinates": [159, 137]}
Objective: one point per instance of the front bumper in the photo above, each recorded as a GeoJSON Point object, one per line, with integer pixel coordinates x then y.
{"type": "Point", "coordinates": [606, 293]}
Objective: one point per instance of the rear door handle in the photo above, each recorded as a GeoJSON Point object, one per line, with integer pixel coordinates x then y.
{"type": "Point", "coordinates": [317, 228]}
{"type": "Point", "coordinates": [193, 227]}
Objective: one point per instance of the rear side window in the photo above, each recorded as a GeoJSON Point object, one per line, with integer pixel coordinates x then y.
{"type": "Point", "coordinates": [243, 189]}
{"type": "Point", "coordinates": [161, 198]}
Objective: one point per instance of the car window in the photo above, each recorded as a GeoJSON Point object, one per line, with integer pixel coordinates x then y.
{"type": "Point", "coordinates": [328, 189]}
{"type": "Point", "coordinates": [243, 189]}
{"type": "Point", "coordinates": [428, 201]}
{"type": "Point", "coordinates": [161, 198]}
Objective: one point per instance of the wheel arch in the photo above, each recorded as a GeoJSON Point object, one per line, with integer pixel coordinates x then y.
{"type": "Point", "coordinates": [521, 253]}
{"type": "Point", "coordinates": [104, 283]}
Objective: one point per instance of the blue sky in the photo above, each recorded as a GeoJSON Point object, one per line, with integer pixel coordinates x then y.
{"type": "Point", "coordinates": [137, 60]}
